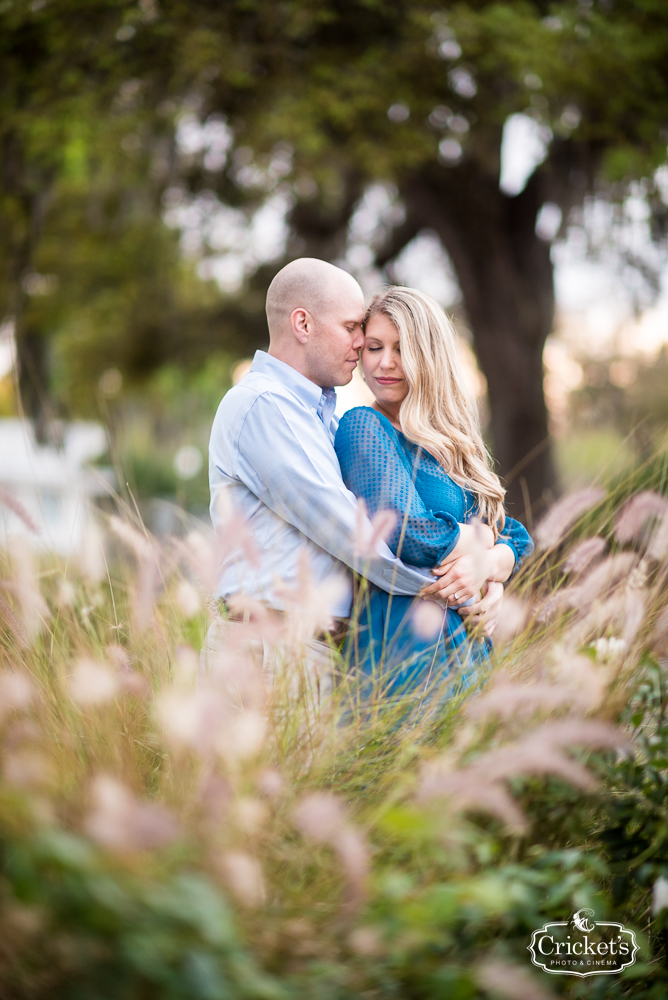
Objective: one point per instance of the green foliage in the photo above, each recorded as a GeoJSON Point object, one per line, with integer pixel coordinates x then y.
{"type": "Point", "coordinates": [148, 425]}
{"type": "Point", "coordinates": [109, 893]}
{"type": "Point", "coordinates": [88, 140]}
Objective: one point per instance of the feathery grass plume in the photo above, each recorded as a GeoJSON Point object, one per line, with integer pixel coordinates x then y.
{"type": "Point", "coordinates": [128, 679]}
{"type": "Point", "coordinates": [66, 596]}
{"type": "Point", "coordinates": [188, 599]}
{"type": "Point", "coordinates": [147, 555]}
{"type": "Point", "coordinates": [370, 531]}
{"type": "Point", "coordinates": [243, 875]}
{"type": "Point", "coordinates": [12, 620]}
{"type": "Point", "coordinates": [600, 581]}
{"type": "Point", "coordinates": [232, 534]}
{"type": "Point", "coordinates": [92, 683]}
{"type": "Point", "coordinates": [505, 698]}
{"type": "Point", "coordinates": [322, 817]}
{"type": "Point", "coordinates": [585, 682]}
{"type": "Point", "coordinates": [427, 619]}
{"type": "Point", "coordinates": [554, 603]}
{"type": "Point", "coordinates": [243, 737]}
{"type": "Point", "coordinates": [218, 717]}
{"type": "Point", "coordinates": [612, 571]}
{"type": "Point", "coordinates": [564, 514]}
{"type": "Point", "coordinates": [200, 553]}
{"type": "Point", "coordinates": [214, 794]}
{"type": "Point", "coordinates": [192, 720]}
{"type": "Point", "coordinates": [366, 941]}
{"type": "Point", "coordinates": [635, 606]}
{"type": "Point", "coordinates": [204, 551]}
{"type": "Point", "coordinates": [623, 609]}
{"type": "Point", "coordinates": [307, 604]}
{"type": "Point", "coordinates": [28, 769]}
{"type": "Point", "coordinates": [33, 610]}
{"type": "Point", "coordinates": [271, 783]}
{"type": "Point", "coordinates": [16, 693]}
{"type": "Point", "coordinates": [239, 664]}
{"type": "Point", "coordinates": [133, 539]}
{"type": "Point", "coordinates": [9, 500]}
{"type": "Point", "coordinates": [584, 554]}
{"type": "Point", "coordinates": [510, 981]}
{"type": "Point", "coordinates": [632, 522]}
{"type": "Point", "coordinates": [512, 621]}
{"type": "Point", "coordinates": [121, 823]}
{"type": "Point", "coordinates": [249, 814]}
{"type": "Point", "coordinates": [478, 786]}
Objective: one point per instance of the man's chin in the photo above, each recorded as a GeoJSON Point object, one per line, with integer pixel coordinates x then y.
{"type": "Point", "coordinates": [344, 378]}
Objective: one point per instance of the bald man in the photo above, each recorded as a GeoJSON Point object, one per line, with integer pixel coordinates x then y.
{"type": "Point", "coordinates": [272, 458]}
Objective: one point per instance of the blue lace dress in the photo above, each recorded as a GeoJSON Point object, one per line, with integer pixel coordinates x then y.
{"type": "Point", "coordinates": [393, 638]}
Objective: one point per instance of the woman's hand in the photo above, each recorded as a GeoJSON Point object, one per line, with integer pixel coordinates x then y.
{"type": "Point", "coordinates": [486, 611]}
{"type": "Point", "coordinates": [461, 579]}
{"type": "Point", "coordinates": [465, 569]}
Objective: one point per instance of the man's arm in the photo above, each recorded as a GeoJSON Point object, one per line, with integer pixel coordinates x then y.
{"type": "Point", "coordinates": [288, 462]}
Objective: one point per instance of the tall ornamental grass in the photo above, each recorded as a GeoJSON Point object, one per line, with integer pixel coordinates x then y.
{"type": "Point", "coordinates": [239, 833]}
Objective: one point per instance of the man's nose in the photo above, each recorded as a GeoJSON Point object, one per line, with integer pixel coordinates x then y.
{"type": "Point", "coordinates": [358, 340]}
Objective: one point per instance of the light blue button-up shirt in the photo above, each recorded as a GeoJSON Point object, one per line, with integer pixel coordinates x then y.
{"type": "Point", "coordinates": [272, 456]}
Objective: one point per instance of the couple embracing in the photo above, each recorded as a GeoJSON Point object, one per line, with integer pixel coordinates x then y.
{"type": "Point", "coordinates": [298, 475]}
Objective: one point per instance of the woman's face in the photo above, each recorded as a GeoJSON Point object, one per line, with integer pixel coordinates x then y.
{"type": "Point", "coordinates": [381, 362]}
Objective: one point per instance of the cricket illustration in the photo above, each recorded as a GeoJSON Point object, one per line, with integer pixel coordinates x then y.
{"type": "Point", "coordinates": [580, 920]}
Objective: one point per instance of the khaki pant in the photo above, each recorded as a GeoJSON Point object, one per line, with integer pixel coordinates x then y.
{"type": "Point", "coordinates": [286, 673]}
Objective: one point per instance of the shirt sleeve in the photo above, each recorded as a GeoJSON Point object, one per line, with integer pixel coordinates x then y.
{"type": "Point", "coordinates": [287, 460]}
{"type": "Point", "coordinates": [376, 469]}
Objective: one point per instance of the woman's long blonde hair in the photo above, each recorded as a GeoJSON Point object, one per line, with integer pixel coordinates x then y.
{"type": "Point", "coordinates": [440, 413]}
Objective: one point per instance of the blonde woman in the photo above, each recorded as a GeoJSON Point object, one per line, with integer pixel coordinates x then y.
{"type": "Point", "coordinates": [419, 453]}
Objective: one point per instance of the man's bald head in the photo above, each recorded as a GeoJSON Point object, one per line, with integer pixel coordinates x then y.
{"type": "Point", "coordinates": [315, 312]}
{"type": "Point", "coordinates": [306, 283]}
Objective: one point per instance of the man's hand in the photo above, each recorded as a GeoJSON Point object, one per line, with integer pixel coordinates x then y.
{"type": "Point", "coordinates": [486, 611]}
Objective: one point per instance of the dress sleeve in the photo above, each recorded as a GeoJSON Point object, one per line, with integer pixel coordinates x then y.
{"type": "Point", "coordinates": [518, 538]}
{"type": "Point", "coordinates": [375, 468]}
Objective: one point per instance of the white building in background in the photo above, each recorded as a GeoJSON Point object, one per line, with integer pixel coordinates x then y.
{"type": "Point", "coordinates": [54, 485]}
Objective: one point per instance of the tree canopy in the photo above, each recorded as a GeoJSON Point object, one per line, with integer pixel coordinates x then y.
{"type": "Point", "coordinates": [317, 100]}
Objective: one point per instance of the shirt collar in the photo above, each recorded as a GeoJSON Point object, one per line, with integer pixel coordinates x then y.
{"type": "Point", "coordinates": [322, 401]}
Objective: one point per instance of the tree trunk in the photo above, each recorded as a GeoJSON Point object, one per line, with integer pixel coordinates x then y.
{"type": "Point", "coordinates": [31, 347]}
{"type": "Point", "coordinates": [506, 278]}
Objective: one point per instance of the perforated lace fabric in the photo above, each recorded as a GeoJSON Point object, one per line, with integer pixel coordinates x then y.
{"type": "Point", "coordinates": [380, 466]}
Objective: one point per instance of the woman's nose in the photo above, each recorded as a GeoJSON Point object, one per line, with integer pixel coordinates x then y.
{"type": "Point", "coordinates": [387, 361]}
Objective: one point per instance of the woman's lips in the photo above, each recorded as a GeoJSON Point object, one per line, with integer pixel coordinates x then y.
{"type": "Point", "coordinates": [388, 381]}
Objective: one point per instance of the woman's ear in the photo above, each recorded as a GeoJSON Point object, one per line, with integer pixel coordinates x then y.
{"type": "Point", "coordinates": [301, 322]}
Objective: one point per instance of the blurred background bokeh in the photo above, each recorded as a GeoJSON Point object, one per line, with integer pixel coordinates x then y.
{"type": "Point", "coordinates": [160, 161]}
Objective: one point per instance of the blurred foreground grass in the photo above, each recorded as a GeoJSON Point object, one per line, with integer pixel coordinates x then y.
{"type": "Point", "coordinates": [164, 836]}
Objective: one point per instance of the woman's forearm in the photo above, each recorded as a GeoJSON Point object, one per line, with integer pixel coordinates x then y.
{"type": "Point", "coordinates": [501, 562]}
{"type": "Point", "coordinates": [471, 539]}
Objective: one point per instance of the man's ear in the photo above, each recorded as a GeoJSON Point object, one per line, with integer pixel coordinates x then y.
{"type": "Point", "coordinates": [301, 322]}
